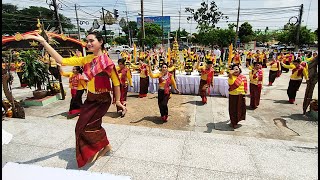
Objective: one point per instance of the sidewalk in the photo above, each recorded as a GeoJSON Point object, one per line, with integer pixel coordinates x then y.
{"type": "Point", "coordinates": [151, 153]}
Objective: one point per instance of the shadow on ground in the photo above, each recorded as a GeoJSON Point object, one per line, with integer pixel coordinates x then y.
{"type": "Point", "coordinates": [66, 155]}
{"type": "Point", "coordinates": [133, 95]}
{"type": "Point", "coordinates": [113, 114]}
{"type": "Point", "coordinates": [282, 101]}
{"type": "Point", "coordinates": [300, 117]}
{"type": "Point", "coordinates": [198, 103]}
{"type": "Point", "coordinates": [65, 114]}
{"type": "Point", "coordinates": [154, 119]}
{"type": "Point", "coordinates": [220, 126]}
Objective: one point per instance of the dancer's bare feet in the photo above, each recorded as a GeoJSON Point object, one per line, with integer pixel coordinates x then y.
{"type": "Point", "coordinates": [104, 151]}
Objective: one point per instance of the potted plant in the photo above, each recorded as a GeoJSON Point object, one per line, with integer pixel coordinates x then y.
{"type": "Point", "coordinates": [35, 72]}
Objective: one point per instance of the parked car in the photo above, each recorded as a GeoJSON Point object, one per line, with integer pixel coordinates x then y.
{"type": "Point", "coordinates": [121, 48]}
{"type": "Point", "coordinates": [107, 46]}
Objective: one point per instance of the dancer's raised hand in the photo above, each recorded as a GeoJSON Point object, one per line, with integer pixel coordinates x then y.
{"type": "Point", "coordinates": [36, 37]}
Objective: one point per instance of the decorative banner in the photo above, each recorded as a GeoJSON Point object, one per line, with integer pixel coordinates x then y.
{"type": "Point", "coordinates": [230, 54]}
{"type": "Point", "coordinates": [64, 47]}
{"type": "Point", "coordinates": [134, 53]}
{"type": "Point", "coordinates": [169, 55]}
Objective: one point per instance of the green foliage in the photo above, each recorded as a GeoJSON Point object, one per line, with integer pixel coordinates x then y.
{"type": "Point", "coordinates": [221, 37]}
{"type": "Point", "coordinates": [288, 35]}
{"type": "Point", "coordinates": [121, 40]}
{"type": "Point", "coordinates": [153, 34]}
{"type": "Point", "coordinates": [179, 33]}
{"type": "Point", "coordinates": [35, 71]}
{"type": "Point", "coordinates": [206, 16]}
{"type": "Point", "coordinates": [14, 20]}
{"type": "Point", "coordinates": [133, 29]}
{"type": "Point", "coordinates": [245, 32]}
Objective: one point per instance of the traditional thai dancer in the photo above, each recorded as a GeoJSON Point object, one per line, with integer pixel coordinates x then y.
{"type": "Point", "coordinates": [144, 77]}
{"type": "Point", "coordinates": [91, 138]}
{"type": "Point", "coordinates": [237, 90]}
{"type": "Point", "coordinates": [249, 55]}
{"type": "Point", "coordinates": [298, 72]}
{"type": "Point", "coordinates": [19, 70]}
{"type": "Point", "coordinates": [275, 70]}
{"type": "Point", "coordinates": [256, 79]}
{"type": "Point", "coordinates": [125, 80]}
{"type": "Point", "coordinates": [206, 79]}
{"type": "Point", "coordinates": [165, 80]}
{"type": "Point", "coordinates": [77, 85]}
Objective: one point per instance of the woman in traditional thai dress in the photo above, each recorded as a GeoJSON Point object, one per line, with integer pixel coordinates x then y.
{"type": "Point", "coordinates": [91, 138]}
{"type": "Point", "coordinates": [165, 80]}
{"type": "Point", "coordinates": [237, 90]}
{"type": "Point", "coordinates": [78, 86]}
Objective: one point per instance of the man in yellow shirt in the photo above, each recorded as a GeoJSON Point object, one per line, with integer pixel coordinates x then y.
{"type": "Point", "coordinates": [298, 72]}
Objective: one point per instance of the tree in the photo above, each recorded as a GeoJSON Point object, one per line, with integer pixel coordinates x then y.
{"type": "Point", "coordinates": [133, 29]}
{"type": "Point", "coordinates": [121, 40]}
{"type": "Point", "coordinates": [245, 32]}
{"type": "Point", "coordinates": [206, 16]}
{"type": "Point", "coordinates": [14, 20]}
{"type": "Point", "coordinates": [182, 33]}
{"type": "Point", "coordinates": [316, 34]}
{"type": "Point", "coordinates": [221, 37]}
{"type": "Point", "coordinates": [288, 35]}
{"type": "Point", "coordinates": [153, 33]}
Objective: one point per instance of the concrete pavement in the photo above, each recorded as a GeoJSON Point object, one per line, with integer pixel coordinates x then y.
{"type": "Point", "coordinates": [259, 149]}
{"type": "Point", "coordinates": [151, 153]}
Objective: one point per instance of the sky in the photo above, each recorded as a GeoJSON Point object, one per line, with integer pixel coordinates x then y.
{"type": "Point", "coordinates": [259, 13]}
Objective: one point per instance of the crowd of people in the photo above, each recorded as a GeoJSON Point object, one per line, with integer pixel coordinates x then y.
{"type": "Point", "coordinates": [97, 74]}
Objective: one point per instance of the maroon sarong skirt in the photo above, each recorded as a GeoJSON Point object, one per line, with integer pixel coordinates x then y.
{"type": "Point", "coordinates": [90, 135]}
{"type": "Point", "coordinates": [294, 86]}
{"type": "Point", "coordinates": [272, 76]}
{"type": "Point", "coordinates": [255, 93]}
{"type": "Point", "coordinates": [202, 89]}
{"type": "Point", "coordinates": [123, 95]}
{"type": "Point", "coordinates": [237, 108]}
{"type": "Point", "coordinates": [144, 85]}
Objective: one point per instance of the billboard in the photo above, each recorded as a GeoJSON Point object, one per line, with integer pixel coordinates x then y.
{"type": "Point", "coordinates": [157, 20]}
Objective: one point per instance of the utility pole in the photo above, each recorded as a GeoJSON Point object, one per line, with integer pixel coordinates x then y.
{"type": "Point", "coordinates": [235, 39]}
{"type": "Point", "coordinates": [142, 27]}
{"type": "Point", "coordinates": [75, 8]}
{"type": "Point", "coordinates": [104, 25]}
{"type": "Point", "coordinates": [179, 22]}
{"type": "Point", "coordinates": [162, 23]}
{"type": "Point", "coordinates": [298, 28]}
{"type": "Point", "coordinates": [128, 28]}
{"type": "Point", "coordinates": [56, 14]}
{"type": "Point", "coordinates": [54, 4]}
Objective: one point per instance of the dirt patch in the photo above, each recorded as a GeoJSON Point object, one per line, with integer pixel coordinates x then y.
{"type": "Point", "coordinates": [145, 112]}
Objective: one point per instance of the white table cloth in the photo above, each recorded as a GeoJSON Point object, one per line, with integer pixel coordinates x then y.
{"type": "Point", "coordinates": [187, 84]}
